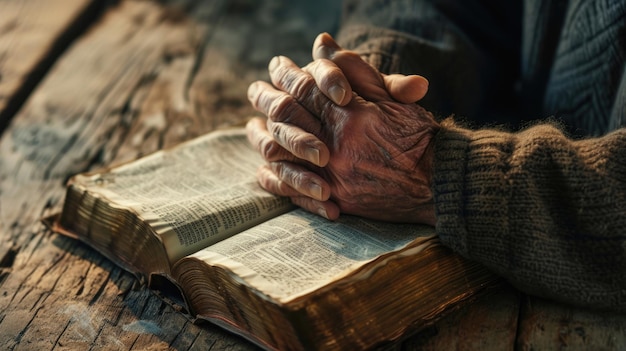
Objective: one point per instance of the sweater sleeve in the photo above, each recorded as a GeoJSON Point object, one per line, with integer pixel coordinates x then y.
{"type": "Point", "coordinates": [546, 212]}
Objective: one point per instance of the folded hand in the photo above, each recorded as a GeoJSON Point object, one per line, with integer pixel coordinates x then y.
{"type": "Point", "coordinates": [341, 137]}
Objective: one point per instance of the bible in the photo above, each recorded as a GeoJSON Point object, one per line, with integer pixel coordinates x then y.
{"type": "Point", "coordinates": [194, 218]}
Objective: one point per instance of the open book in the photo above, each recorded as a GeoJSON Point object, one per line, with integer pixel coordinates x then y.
{"type": "Point", "coordinates": [249, 261]}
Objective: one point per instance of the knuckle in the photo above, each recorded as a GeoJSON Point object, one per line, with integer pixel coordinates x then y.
{"type": "Point", "coordinates": [288, 174]}
{"type": "Point", "coordinates": [281, 108]}
{"type": "Point", "coordinates": [300, 142]}
{"type": "Point", "coordinates": [287, 110]}
{"type": "Point", "coordinates": [279, 133]}
{"type": "Point", "coordinates": [266, 178]}
{"type": "Point", "coordinates": [270, 182]}
{"type": "Point", "coordinates": [279, 169]}
{"type": "Point", "coordinates": [298, 179]}
{"type": "Point", "coordinates": [292, 139]}
{"type": "Point", "coordinates": [269, 149]}
{"type": "Point", "coordinates": [298, 84]}
{"type": "Point", "coordinates": [305, 86]}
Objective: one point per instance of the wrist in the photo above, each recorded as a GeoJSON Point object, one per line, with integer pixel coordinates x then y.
{"type": "Point", "coordinates": [426, 164]}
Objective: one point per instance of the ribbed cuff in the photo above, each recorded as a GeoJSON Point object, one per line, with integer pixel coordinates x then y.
{"type": "Point", "coordinates": [451, 146]}
{"type": "Point", "coordinates": [470, 185]}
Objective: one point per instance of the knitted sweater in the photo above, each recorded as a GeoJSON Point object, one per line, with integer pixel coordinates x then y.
{"type": "Point", "coordinates": [545, 211]}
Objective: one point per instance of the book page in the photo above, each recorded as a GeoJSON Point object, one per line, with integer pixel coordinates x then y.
{"type": "Point", "coordinates": [194, 195]}
{"type": "Point", "coordinates": [298, 252]}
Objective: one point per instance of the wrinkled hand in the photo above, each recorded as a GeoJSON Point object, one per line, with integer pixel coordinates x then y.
{"type": "Point", "coordinates": [341, 137]}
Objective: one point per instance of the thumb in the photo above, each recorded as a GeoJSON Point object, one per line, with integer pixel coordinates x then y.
{"type": "Point", "coordinates": [366, 80]}
{"type": "Point", "coordinates": [406, 89]}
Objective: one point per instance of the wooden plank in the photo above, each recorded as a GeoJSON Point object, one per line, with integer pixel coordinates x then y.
{"type": "Point", "coordinates": [59, 294]}
{"type": "Point", "coordinates": [121, 91]}
{"type": "Point", "coordinates": [213, 93]}
{"type": "Point", "coordinates": [545, 325]}
{"type": "Point", "coordinates": [32, 34]}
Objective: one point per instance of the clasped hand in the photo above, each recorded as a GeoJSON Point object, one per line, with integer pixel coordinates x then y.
{"type": "Point", "coordinates": [340, 137]}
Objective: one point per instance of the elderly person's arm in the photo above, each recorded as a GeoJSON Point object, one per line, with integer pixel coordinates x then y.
{"type": "Point", "coordinates": [546, 212]}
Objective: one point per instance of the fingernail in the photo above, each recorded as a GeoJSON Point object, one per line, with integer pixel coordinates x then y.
{"type": "Point", "coordinates": [274, 63]}
{"type": "Point", "coordinates": [322, 212]}
{"type": "Point", "coordinates": [312, 155]}
{"type": "Point", "coordinates": [337, 93]}
{"type": "Point", "coordinates": [316, 190]}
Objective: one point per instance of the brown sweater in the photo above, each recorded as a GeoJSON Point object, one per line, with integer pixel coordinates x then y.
{"type": "Point", "coordinates": [545, 211]}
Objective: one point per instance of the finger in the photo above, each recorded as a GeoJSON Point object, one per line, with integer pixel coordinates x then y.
{"type": "Point", "coordinates": [300, 143]}
{"type": "Point", "coordinates": [270, 182]}
{"type": "Point", "coordinates": [324, 47]}
{"type": "Point", "coordinates": [302, 180]}
{"type": "Point", "coordinates": [406, 89]}
{"type": "Point", "coordinates": [279, 106]}
{"type": "Point", "coordinates": [326, 209]}
{"type": "Point", "coordinates": [262, 141]}
{"type": "Point", "coordinates": [364, 79]}
{"type": "Point", "coordinates": [290, 78]}
{"type": "Point", "coordinates": [330, 80]}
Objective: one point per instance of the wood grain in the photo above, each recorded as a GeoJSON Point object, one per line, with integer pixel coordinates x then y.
{"type": "Point", "coordinates": [546, 325]}
{"type": "Point", "coordinates": [121, 91]}
{"type": "Point", "coordinates": [33, 33]}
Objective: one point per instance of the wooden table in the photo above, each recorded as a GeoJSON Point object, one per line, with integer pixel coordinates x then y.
{"type": "Point", "coordinates": [87, 83]}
